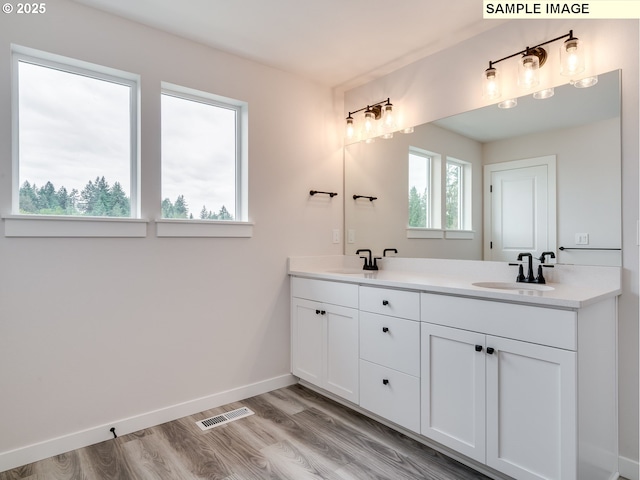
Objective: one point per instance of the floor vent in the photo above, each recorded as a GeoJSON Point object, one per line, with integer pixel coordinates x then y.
{"type": "Point", "coordinates": [223, 418]}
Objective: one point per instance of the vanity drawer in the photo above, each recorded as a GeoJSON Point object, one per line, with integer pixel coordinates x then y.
{"type": "Point", "coordinates": [391, 342]}
{"type": "Point", "coordinates": [335, 293]}
{"type": "Point", "coordinates": [544, 326]}
{"type": "Point", "coordinates": [391, 394]}
{"type": "Point", "coordinates": [386, 301]}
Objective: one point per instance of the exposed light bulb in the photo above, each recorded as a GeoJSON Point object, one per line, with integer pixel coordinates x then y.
{"type": "Point", "coordinates": [529, 71]}
{"type": "Point", "coordinates": [350, 130]}
{"type": "Point", "coordinates": [571, 57]}
{"type": "Point", "coordinates": [369, 125]}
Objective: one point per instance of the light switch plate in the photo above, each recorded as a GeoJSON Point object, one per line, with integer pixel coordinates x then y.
{"type": "Point", "coordinates": [582, 239]}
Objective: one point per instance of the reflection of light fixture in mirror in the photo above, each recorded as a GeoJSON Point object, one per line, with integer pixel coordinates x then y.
{"type": "Point", "coordinates": [388, 120]}
{"type": "Point", "coordinates": [533, 58]}
{"type": "Point", "coordinates": [407, 130]}
{"type": "Point", "coordinates": [585, 82]}
{"type": "Point", "coordinates": [510, 103]}
{"type": "Point", "coordinates": [542, 94]}
{"type": "Point", "coordinates": [491, 83]}
{"type": "Point", "coordinates": [571, 57]}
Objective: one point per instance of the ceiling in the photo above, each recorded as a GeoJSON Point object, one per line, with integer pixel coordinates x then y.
{"type": "Point", "coordinates": [338, 43]}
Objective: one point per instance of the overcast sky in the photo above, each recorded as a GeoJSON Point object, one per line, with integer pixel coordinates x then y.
{"type": "Point", "coordinates": [75, 128]}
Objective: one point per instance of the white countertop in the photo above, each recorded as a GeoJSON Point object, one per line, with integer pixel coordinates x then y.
{"type": "Point", "coordinates": [573, 286]}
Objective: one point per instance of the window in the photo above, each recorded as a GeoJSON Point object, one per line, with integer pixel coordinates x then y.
{"type": "Point", "coordinates": [75, 138]}
{"type": "Point", "coordinates": [458, 195]}
{"type": "Point", "coordinates": [203, 175]}
{"type": "Point", "coordinates": [419, 189]}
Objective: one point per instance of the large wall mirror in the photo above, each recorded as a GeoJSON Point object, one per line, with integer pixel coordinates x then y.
{"type": "Point", "coordinates": [571, 204]}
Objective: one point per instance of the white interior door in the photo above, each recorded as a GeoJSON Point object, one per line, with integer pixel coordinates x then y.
{"type": "Point", "coordinates": [520, 208]}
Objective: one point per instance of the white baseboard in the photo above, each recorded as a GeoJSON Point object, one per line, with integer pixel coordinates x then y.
{"type": "Point", "coordinates": [629, 468]}
{"type": "Point", "coordinates": [56, 446]}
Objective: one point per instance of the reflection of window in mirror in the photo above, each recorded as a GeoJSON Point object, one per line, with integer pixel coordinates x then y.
{"type": "Point", "coordinates": [424, 198]}
{"type": "Point", "coordinates": [458, 195]}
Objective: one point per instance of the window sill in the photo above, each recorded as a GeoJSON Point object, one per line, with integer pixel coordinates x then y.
{"type": "Point", "coordinates": [203, 228]}
{"type": "Point", "coordinates": [424, 233]}
{"type": "Point", "coordinates": [59, 226]}
{"type": "Point", "coordinates": [436, 233]}
{"type": "Point", "coordinates": [459, 234]}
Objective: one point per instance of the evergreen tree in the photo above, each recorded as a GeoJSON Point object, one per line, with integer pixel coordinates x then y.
{"type": "Point", "coordinates": [417, 208]}
{"type": "Point", "coordinates": [168, 211]}
{"type": "Point", "coordinates": [120, 204]}
{"type": "Point", "coordinates": [28, 198]}
{"type": "Point", "coordinates": [181, 209]}
{"type": "Point", "coordinates": [224, 214]}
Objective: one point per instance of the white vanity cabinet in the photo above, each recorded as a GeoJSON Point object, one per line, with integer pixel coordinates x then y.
{"type": "Point", "coordinates": [324, 335]}
{"type": "Point", "coordinates": [390, 355]}
{"type": "Point", "coordinates": [521, 388]}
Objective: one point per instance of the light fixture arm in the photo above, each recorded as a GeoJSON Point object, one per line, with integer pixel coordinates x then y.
{"type": "Point", "coordinates": [376, 108]}
{"type": "Point", "coordinates": [533, 50]}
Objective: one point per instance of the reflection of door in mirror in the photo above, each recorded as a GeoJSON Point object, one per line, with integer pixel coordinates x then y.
{"type": "Point", "coordinates": [519, 202]}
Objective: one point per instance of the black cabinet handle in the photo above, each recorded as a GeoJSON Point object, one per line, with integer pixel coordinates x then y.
{"type": "Point", "coordinates": [322, 312]}
{"type": "Point", "coordinates": [478, 348]}
{"type": "Point", "coordinates": [385, 381]}
{"type": "Point", "coordinates": [385, 302]}
{"type": "Point", "coordinates": [490, 350]}
{"type": "Point", "coordinates": [317, 312]}
{"type": "Point", "coordinates": [385, 329]}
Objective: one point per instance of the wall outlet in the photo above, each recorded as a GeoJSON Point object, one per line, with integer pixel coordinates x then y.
{"type": "Point", "coordinates": [582, 239]}
{"type": "Point", "coordinates": [351, 236]}
{"type": "Point", "coordinates": [336, 235]}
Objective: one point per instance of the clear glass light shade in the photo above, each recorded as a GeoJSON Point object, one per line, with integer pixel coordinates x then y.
{"type": "Point", "coordinates": [529, 71]}
{"type": "Point", "coordinates": [542, 94]}
{"type": "Point", "coordinates": [350, 130]}
{"type": "Point", "coordinates": [571, 57]}
{"type": "Point", "coordinates": [510, 103]}
{"type": "Point", "coordinates": [491, 84]}
{"type": "Point", "coordinates": [369, 124]}
{"type": "Point", "coordinates": [388, 121]}
{"type": "Point", "coordinates": [586, 82]}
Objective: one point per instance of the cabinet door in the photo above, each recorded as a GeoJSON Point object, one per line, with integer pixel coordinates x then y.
{"type": "Point", "coordinates": [531, 410]}
{"type": "Point", "coordinates": [341, 376]}
{"type": "Point", "coordinates": [307, 334]}
{"type": "Point", "coordinates": [453, 388]}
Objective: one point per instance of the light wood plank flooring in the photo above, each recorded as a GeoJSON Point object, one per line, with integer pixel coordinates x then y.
{"type": "Point", "coordinates": [295, 434]}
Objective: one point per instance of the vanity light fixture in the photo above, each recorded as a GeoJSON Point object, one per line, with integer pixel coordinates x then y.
{"type": "Point", "coordinates": [377, 120]}
{"type": "Point", "coordinates": [531, 59]}
{"type": "Point", "coordinates": [542, 94]}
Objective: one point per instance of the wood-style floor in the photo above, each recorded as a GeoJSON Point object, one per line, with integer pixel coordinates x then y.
{"type": "Point", "coordinates": [295, 434]}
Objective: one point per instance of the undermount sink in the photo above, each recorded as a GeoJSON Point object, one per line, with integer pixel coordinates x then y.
{"type": "Point", "coordinates": [514, 286]}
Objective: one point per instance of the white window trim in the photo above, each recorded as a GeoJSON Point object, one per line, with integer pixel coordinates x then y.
{"type": "Point", "coordinates": [241, 228]}
{"type": "Point", "coordinates": [182, 227]}
{"type": "Point", "coordinates": [63, 226]}
{"type": "Point", "coordinates": [73, 226]}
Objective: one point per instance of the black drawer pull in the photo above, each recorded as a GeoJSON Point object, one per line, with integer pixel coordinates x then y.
{"type": "Point", "coordinates": [490, 350]}
{"type": "Point", "coordinates": [385, 381]}
{"type": "Point", "coordinates": [322, 312]}
{"type": "Point", "coordinates": [317, 312]}
{"type": "Point", "coordinates": [385, 302]}
{"type": "Point", "coordinates": [385, 329]}
{"type": "Point", "coordinates": [478, 348]}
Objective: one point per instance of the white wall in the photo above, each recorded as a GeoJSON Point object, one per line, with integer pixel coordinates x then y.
{"type": "Point", "coordinates": [93, 331]}
{"type": "Point", "coordinates": [448, 83]}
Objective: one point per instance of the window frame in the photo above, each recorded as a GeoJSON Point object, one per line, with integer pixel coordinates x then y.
{"type": "Point", "coordinates": [21, 225]}
{"type": "Point", "coordinates": [78, 67]}
{"type": "Point", "coordinates": [240, 226]}
{"type": "Point", "coordinates": [464, 192]}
